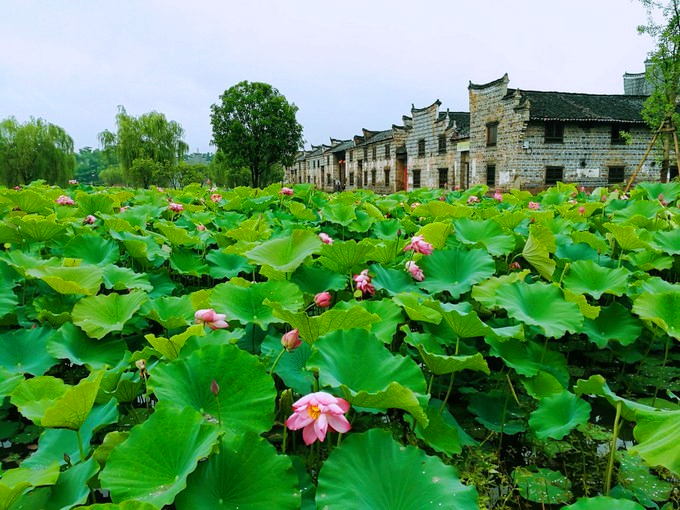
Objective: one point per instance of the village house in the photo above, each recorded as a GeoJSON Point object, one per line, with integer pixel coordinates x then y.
{"type": "Point", "coordinates": [531, 139]}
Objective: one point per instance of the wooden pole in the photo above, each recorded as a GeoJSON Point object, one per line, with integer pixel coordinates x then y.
{"type": "Point", "coordinates": [677, 152]}
{"type": "Point", "coordinates": [642, 161]}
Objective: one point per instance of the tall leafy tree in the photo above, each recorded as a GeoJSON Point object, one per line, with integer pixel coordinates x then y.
{"type": "Point", "coordinates": [157, 142]}
{"type": "Point", "coordinates": [255, 127]}
{"type": "Point", "coordinates": [663, 72]}
{"type": "Point", "coordinates": [35, 150]}
{"type": "Point", "coordinates": [90, 162]}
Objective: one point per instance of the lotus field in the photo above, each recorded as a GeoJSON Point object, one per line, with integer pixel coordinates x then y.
{"type": "Point", "coordinates": [286, 348]}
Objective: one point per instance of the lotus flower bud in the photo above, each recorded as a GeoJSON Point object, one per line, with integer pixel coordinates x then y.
{"type": "Point", "coordinates": [291, 340]}
{"type": "Point", "coordinates": [323, 299]}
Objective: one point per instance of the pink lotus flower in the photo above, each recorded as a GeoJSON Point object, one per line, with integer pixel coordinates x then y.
{"type": "Point", "coordinates": [625, 197]}
{"type": "Point", "coordinates": [472, 199]}
{"type": "Point", "coordinates": [124, 208]}
{"type": "Point", "coordinates": [72, 181]}
{"type": "Point", "coordinates": [315, 412]}
{"type": "Point", "coordinates": [582, 189]}
{"type": "Point", "coordinates": [581, 210]}
{"type": "Point", "coordinates": [442, 198]}
{"type": "Point", "coordinates": [534, 206]}
{"type": "Point", "coordinates": [325, 238]}
{"type": "Point", "coordinates": [419, 246]}
{"type": "Point", "coordinates": [291, 340]}
{"type": "Point", "coordinates": [603, 198]}
{"type": "Point", "coordinates": [662, 200]}
{"type": "Point", "coordinates": [64, 200]}
{"type": "Point", "coordinates": [200, 227]}
{"type": "Point", "coordinates": [323, 299]}
{"type": "Point", "coordinates": [160, 190]}
{"type": "Point", "coordinates": [89, 219]}
{"type": "Point", "coordinates": [286, 191]}
{"type": "Point", "coordinates": [415, 271]}
{"type": "Point", "coordinates": [215, 197]}
{"type": "Point", "coordinates": [498, 196]}
{"type": "Point", "coordinates": [211, 319]}
{"type": "Point", "coordinates": [17, 188]}
{"type": "Point", "coordinates": [515, 266]}
{"type": "Point", "coordinates": [175, 207]}
{"type": "Point", "coordinates": [456, 187]}
{"type": "Point", "coordinates": [363, 282]}
{"type": "Point", "coordinates": [414, 205]}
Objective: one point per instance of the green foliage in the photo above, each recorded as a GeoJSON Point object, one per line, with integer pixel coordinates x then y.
{"type": "Point", "coordinates": [35, 150]}
{"type": "Point", "coordinates": [255, 127]}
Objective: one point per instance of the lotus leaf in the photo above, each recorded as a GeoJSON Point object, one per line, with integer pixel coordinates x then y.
{"type": "Point", "coordinates": [614, 322]}
{"type": "Point", "coordinates": [529, 358]}
{"type": "Point", "coordinates": [658, 436]}
{"type": "Point", "coordinates": [79, 349]}
{"type": "Point", "coordinates": [486, 233]}
{"type": "Point", "coordinates": [455, 271]}
{"type": "Point", "coordinates": [92, 249]}
{"type": "Point", "coordinates": [661, 309]}
{"type": "Point", "coordinates": [587, 277]}
{"type": "Point", "coordinates": [286, 253]}
{"type": "Point", "coordinates": [345, 256]}
{"type": "Point", "coordinates": [392, 280]}
{"type": "Point", "coordinates": [103, 314]}
{"type": "Point", "coordinates": [601, 502]}
{"type": "Point", "coordinates": [542, 485]}
{"type": "Point", "coordinates": [227, 265]}
{"type": "Point", "coordinates": [70, 280]}
{"type": "Point", "coordinates": [23, 351]}
{"type": "Point", "coordinates": [536, 252]}
{"type": "Point", "coordinates": [558, 414]}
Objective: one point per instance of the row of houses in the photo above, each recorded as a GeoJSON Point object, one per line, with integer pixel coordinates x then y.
{"type": "Point", "coordinates": [510, 138]}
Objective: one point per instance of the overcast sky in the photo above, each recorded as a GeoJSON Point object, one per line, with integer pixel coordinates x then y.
{"type": "Point", "coordinates": [346, 65]}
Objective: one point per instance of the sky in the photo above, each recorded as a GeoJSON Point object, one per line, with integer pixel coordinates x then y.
{"type": "Point", "coordinates": [345, 65]}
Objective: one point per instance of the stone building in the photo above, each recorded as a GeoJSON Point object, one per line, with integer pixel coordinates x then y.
{"type": "Point", "coordinates": [531, 139]}
{"type": "Point", "coordinates": [432, 147]}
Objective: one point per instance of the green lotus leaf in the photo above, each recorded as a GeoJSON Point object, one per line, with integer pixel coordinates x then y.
{"type": "Point", "coordinates": [587, 277]}
{"type": "Point", "coordinates": [455, 271]}
{"type": "Point", "coordinates": [485, 292]}
{"type": "Point", "coordinates": [9, 495]}
{"type": "Point", "coordinates": [392, 382]}
{"type": "Point", "coordinates": [300, 211]}
{"type": "Point", "coordinates": [122, 278]}
{"type": "Point", "coordinates": [340, 213]}
{"type": "Point", "coordinates": [389, 313]}
{"type": "Point", "coordinates": [8, 301]}
{"type": "Point", "coordinates": [22, 261]}
{"type": "Point", "coordinates": [175, 235]}
{"type": "Point", "coordinates": [542, 305]}
{"type": "Point", "coordinates": [542, 485]}
{"type": "Point", "coordinates": [614, 322]}
{"type": "Point", "coordinates": [169, 311]}
{"type": "Point", "coordinates": [417, 308]}
{"type": "Point", "coordinates": [635, 477]}
{"type": "Point", "coordinates": [463, 323]}
{"type": "Point", "coordinates": [92, 203]}
{"type": "Point", "coordinates": [286, 253]}
{"type": "Point", "coordinates": [171, 347]}
{"type": "Point", "coordinates": [130, 504]}
{"type": "Point", "coordinates": [384, 252]}
{"type": "Point", "coordinates": [649, 260]}
{"type": "Point", "coordinates": [658, 437]}
{"type": "Point", "coordinates": [72, 408]}
{"type": "Point", "coordinates": [601, 502]}
{"type": "Point", "coordinates": [37, 228]}
{"type": "Point", "coordinates": [72, 344]}
{"type": "Point", "coordinates": [227, 265]}
{"type": "Point", "coordinates": [8, 381]}
{"type": "Point", "coordinates": [14, 482]}
{"type": "Point", "coordinates": [668, 241]}
{"type": "Point", "coordinates": [661, 309]}
{"type": "Point", "coordinates": [32, 202]}
{"type": "Point", "coordinates": [595, 241]}
{"type": "Point", "coordinates": [537, 249]}
{"type": "Point", "coordinates": [542, 385]}
{"type": "Point", "coordinates": [436, 233]}
{"type": "Point", "coordinates": [627, 236]}
{"type": "Point", "coordinates": [54, 443]}
{"type": "Point", "coordinates": [443, 433]}
{"type": "Point", "coordinates": [371, 470]}
{"type": "Point", "coordinates": [84, 280]}
{"type": "Point", "coordinates": [345, 256]}
{"type": "Point", "coordinates": [188, 262]}
{"type": "Point", "coordinates": [486, 233]}
{"type": "Point", "coordinates": [291, 366]}
{"type": "Point", "coordinates": [23, 351]}
{"type": "Point", "coordinates": [145, 248]}
{"type": "Point", "coordinates": [103, 314]}
{"type": "Point", "coordinates": [498, 412]}
{"type": "Point", "coordinates": [596, 385]}
{"type": "Point", "coordinates": [557, 415]}
{"type": "Point", "coordinates": [92, 249]}
{"type": "Point", "coordinates": [248, 304]}
{"type": "Point", "coordinates": [530, 358]}
{"type": "Point", "coordinates": [33, 397]}
{"type": "Point", "coordinates": [233, 478]}
{"type": "Point", "coordinates": [70, 489]}
{"type": "Point", "coordinates": [161, 453]}
{"type": "Point", "coordinates": [312, 280]}
{"type": "Point", "coordinates": [246, 401]}
{"type": "Point", "coordinates": [386, 229]}
{"type": "Point", "coordinates": [435, 209]}
{"type": "Point", "coordinates": [393, 281]}
{"type": "Point", "coordinates": [311, 328]}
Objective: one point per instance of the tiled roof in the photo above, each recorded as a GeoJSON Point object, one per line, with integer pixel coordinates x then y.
{"type": "Point", "coordinates": [379, 136]}
{"type": "Point", "coordinates": [462, 121]}
{"type": "Point", "coordinates": [344, 145]}
{"type": "Point", "coordinates": [568, 106]}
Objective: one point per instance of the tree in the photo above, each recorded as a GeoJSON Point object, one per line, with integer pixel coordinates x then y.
{"type": "Point", "coordinates": [90, 163]}
{"type": "Point", "coordinates": [663, 72]}
{"type": "Point", "coordinates": [255, 127]}
{"type": "Point", "coordinates": [149, 137]}
{"type": "Point", "coordinates": [35, 150]}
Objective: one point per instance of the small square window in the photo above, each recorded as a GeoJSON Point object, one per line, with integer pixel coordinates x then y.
{"type": "Point", "coordinates": [443, 177]}
{"type": "Point", "coordinates": [365, 177]}
{"type": "Point", "coordinates": [554, 132]}
{"type": "Point", "coordinates": [620, 133]}
{"type": "Point", "coordinates": [387, 151]}
{"type": "Point", "coordinates": [421, 148]}
{"type": "Point", "coordinates": [365, 152]}
{"type": "Point", "coordinates": [373, 177]}
{"type": "Point", "coordinates": [375, 152]}
{"type": "Point", "coordinates": [491, 134]}
{"type": "Point", "coordinates": [442, 144]}
{"type": "Point", "coordinates": [491, 175]}
{"type": "Point", "coordinates": [416, 178]}
{"type": "Point", "coordinates": [351, 155]}
{"type": "Point", "coordinates": [387, 176]}
{"type": "Point", "coordinates": [351, 178]}
{"type": "Point", "coordinates": [617, 174]}
{"type": "Point", "coordinates": [553, 174]}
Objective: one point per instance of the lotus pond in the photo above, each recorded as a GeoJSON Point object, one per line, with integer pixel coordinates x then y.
{"type": "Point", "coordinates": [285, 349]}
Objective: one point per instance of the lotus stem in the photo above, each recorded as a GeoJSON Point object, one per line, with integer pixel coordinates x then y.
{"type": "Point", "coordinates": [612, 450]}
{"type": "Point", "coordinates": [448, 392]}
{"type": "Point", "coordinates": [219, 414]}
{"type": "Point", "coordinates": [80, 446]}
{"type": "Point", "coordinates": [663, 367]}
{"type": "Point", "coordinates": [277, 360]}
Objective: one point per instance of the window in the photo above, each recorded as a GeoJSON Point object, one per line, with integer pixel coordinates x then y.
{"type": "Point", "coordinates": [442, 144]}
{"type": "Point", "coordinates": [328, 179]}
{"type": "Point", "coordinates": [387, 151]}
{"type": "Point", "coordinates": [553, 174]}
{"type": "Point", "coordinates": [373, 173]}
{"type": "Point", "coordinates": [491, 175]}
{"type": "Point", "coordinates": [421, 148]}
{"type": "Point", "coordinates": [620, 132]}
{"type": "Point", "coordinates": [617, 174]}
{"type": "Point", "coordinates": [554, 132]}
{"type": "Point", "coordinates": [416, 178]}
{"type": "Point", "coordinates": [351, 155]}
{"type": "Point", "coordinates": [387, 176]}
{"type": "Point", "coordinates": [365, 177]}
{"type": "Point", "coordinates": [491, 134]}
{"type": "Point", "coordinates": [328, 160]}
{"type": "Point", "coordinates": [351, 178]}
{"type": "Point", "coordinates": [443, 177]}
{"type": "Point", "coordinates": [365, 152]}
{"type": "Point", "coordinates": [375, 152]}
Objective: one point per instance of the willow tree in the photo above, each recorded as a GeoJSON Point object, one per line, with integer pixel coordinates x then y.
{"type": "Point", "coordinates": [35, 150]}
{"type": "Point", "coordinates": [255, 127]}
{"type": "Point", "coordinates": [663, 73]}
{"type": "Point", "coordinates": [156, 145]}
